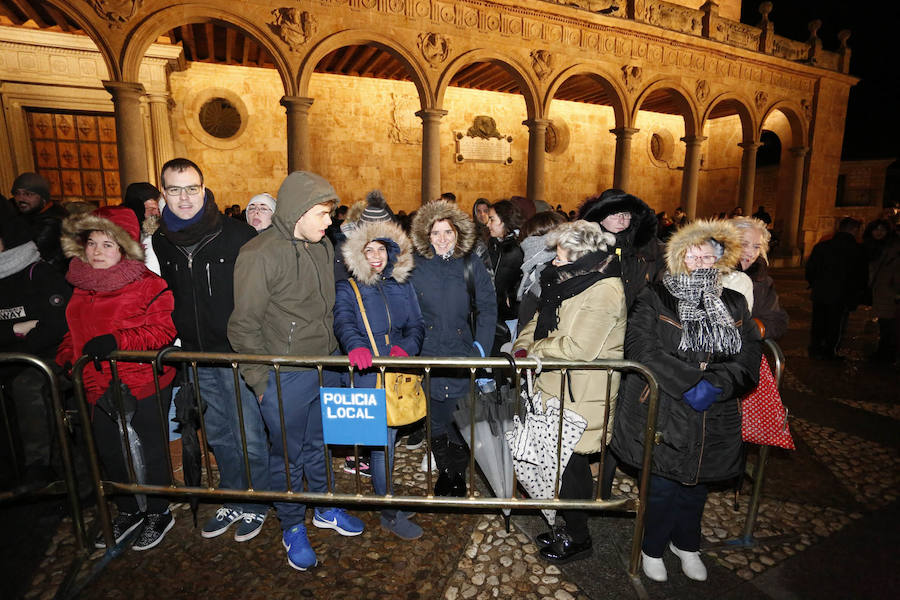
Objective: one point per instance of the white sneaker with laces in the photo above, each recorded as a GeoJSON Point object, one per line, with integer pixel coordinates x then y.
{"type": "Point", "coordinates": [691, 564]}
{"type": "Point", "coordinates": [654, 568]}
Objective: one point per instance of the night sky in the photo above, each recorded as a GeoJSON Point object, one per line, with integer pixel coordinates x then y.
{"type": "Point", "coordinates": [873, 122]}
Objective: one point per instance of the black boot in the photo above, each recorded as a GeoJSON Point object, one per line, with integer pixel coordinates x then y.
{"type": "Point", "coordinates": [564, 549]}
{"type": "Point", "coordinates": [440, 449]}
{"type": "Point", "coordinates": [458, 458]}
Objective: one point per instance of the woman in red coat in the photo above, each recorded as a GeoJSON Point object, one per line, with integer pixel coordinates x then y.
{"type": "Point", "coordinates": [118, 304]}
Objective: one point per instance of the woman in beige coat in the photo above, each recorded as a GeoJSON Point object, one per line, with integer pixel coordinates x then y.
{"type": "Point", "coordinates": [581, 316]}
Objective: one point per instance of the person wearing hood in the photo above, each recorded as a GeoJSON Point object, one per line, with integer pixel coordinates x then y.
{"type": "Point", "coordinates": [260, 210]}
{"type": "Point", "coordinates": [580, 316]}
{"type": "Point", "coordinates": [379, 258]}
{"type": "Point", "coordinates": [704, 349]}
{"type": "Point", "coordinates": [40, 216]}
{"type": "Point", "coordinates": [197, 248]}
{"type": "Point", "coordinates": [634, 225]}
{"type": "Point", "coordinates": [374, 209]}
{"type": "Point", "coordinates": [443, 236]}
{"type": "Point", "coordinates": [118, 304]}
{"type": "Point", "coordinates": [33, 298]}
{"type": "Point", "coordinates": [285, 306]}
{"type": "Point", "coordinates": [765, 309]}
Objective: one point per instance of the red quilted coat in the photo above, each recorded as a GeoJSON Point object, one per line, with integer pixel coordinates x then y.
{"type": "Point", "coordinates": [126, 300]}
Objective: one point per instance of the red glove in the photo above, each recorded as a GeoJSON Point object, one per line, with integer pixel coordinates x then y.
{"type": "Point", "coordinates": [361, 358]}
{"type": "Point", "coordinates": [398, 351]}
{"type": "Point", "coordinates": [521, 353]}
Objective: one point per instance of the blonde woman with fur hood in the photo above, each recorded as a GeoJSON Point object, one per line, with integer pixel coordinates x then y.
{"type": "Point", "coordinates": [379, 259]}
{"type": "Point", "coordinates": [443, 237]}
{"type": "Point", "coordinates": [703, 348]}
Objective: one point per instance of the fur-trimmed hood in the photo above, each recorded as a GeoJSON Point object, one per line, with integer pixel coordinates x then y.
{"type": "Point", "coordinates": [399, 249]}
{"type": "Point", "coordinates": [698, 232]}
{"type": "Point", "coordinates": [118, 221]}
{"type": "Point", "coordinates": [440, 210]}
{"type": "Point", "coordinates": [643, 220]}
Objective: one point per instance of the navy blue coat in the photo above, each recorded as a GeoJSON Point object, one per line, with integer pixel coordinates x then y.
{"type": "Point", "coordinates": [444, 299]}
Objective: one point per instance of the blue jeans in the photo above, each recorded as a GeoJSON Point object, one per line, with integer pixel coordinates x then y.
{"type": "Point", "coordinates": [305, 442]}
{"type": "Point", "coordinates": [674, 511]}
{"type": "Point", "coordinates": [376, 468]}
{"type": "Point", "coordinates": [223, 433]}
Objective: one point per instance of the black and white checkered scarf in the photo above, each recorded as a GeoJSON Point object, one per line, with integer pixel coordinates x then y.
{"type": "Point", "coordinates": [706, 324]}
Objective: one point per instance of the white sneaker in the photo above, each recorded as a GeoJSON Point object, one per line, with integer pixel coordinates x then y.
{"type": "Point", "coordinates": [424, 465]}
{"type": "Point", "coordinates": [691, 564]}
{"type": "Point", "coordinates": [654, 568]}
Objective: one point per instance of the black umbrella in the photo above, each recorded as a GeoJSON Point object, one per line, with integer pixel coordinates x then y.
{"type": "Point", "coordinates": [107, 403]}
{"type": "Point", "coordinates": [187, 415]}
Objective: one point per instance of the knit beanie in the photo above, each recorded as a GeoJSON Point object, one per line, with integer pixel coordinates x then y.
{"type": "Point", "coordinates": [263, 198]}
{"type": "Point", "coordinates": [377, 208]}
{"type": "Point", "coordinates": [34, 183]}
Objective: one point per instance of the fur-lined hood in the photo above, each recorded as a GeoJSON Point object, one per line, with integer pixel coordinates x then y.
{"type": "Point", "coordinates": [399, 248]}
{"type": "Point", "coordinates": [117, 221]}
{"type": "Point", "coordinates": [642, 228]}
{"type": "Point", "coordinates": [440, 210]}
{"type": "Point", "coordinates": [698, 232]}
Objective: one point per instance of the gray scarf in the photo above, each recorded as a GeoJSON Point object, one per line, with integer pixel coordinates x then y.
{"type": "Point", "coordinates": [15, 259]}
{"type": "Point", "coordinates": [536, 258]}
{"type": "Point", "coordinates": [706, 324]}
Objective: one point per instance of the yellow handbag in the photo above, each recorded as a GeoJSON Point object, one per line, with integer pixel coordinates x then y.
{"type": "Point", "coordinates": [403, 391]}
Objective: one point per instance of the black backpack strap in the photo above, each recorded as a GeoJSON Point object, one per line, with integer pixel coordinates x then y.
{"type": "Point", "coordinates": [469, 276]}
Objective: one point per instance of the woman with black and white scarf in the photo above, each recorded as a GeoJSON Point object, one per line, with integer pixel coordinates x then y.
{"type": "Point", "coordinates": [699, 341]}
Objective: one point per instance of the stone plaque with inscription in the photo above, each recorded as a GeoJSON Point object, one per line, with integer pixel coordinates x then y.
{"type": "Point", "coordinates": [477, 149]}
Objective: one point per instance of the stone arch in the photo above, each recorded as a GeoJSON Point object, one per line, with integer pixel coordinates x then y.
{"type": "Point", "coordinates": [351, 37]}
{"type": "Point", "coordinates": [87, 25]}
{"type": "Point", "coordinates": [750, 128]}
{"type": "Point", "coordinates": [512, 66]}
{"type": "Point", "coordinates": [792, 112]}
{"type": "Point", "coordinates": [605, 79]}
{"type": "Point", "coordinates": [166, 19]}
{"type": "Point", "coordinates": [679, 95]}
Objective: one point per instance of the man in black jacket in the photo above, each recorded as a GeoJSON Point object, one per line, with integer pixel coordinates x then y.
{"type": "Point", "coordinates": [197, 248]}
{"type": "Point", "coordinates": [40, 216]}
{"type": "Point", "coordinates": [837, 273]}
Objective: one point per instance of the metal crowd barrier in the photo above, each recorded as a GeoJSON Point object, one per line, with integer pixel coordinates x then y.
{"type": "Point", "coordinates": [428, 366]}
{"type": "Point", "coordinates": [67, 486]}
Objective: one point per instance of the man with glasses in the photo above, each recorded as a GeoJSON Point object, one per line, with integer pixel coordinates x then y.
{"type": "Point", "coordinates": [40, 217]}
{"type": "Point", "coordinates": [197, 247]}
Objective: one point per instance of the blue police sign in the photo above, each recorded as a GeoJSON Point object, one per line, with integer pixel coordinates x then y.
{"type": "Point", "coordinates": [354, 416]}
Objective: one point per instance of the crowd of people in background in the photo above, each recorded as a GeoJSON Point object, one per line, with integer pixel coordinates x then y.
{"type": "Point", "coordinates": [297, 273]}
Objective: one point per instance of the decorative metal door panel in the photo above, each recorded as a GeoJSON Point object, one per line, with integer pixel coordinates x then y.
{"type": "Point", "coordinates": [77, 154]}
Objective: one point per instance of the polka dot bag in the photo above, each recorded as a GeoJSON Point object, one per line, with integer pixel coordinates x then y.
{"type": "Point", "coordinates": [764, 418]}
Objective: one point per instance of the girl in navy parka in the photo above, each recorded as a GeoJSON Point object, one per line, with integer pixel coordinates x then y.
{"type": "Point", "coordinates": [378, 256]}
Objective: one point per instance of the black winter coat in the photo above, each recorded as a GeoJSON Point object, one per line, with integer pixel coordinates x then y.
{"type": "Point", "coordinates": [837, 271]}
{"type": "Point", "coordinates": [506, 258]}
{"type": "Point", "coordinates": [692, 447]}
{"type": "Point", "coordinates": [766, 307]}
{"type": "Point", "coordinates": [37, 292]}
{"type": "Point", "coordinates": [444, 299]}
{"type": "Point", "coordinates": [45, 228]}
{"type": "Point", "coordinates": [202, 281]}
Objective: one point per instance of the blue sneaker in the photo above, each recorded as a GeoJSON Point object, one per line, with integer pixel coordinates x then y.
{"type": "Point", "coordinates": [300, 554]}
{"type": "Point", "coordinates": [339, 520]}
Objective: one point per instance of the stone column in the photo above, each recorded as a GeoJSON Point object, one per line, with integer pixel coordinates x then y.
{"type": "Point", "coordinates": [622, 167]}
{"type": "Point", "coordinates": [126, 97]}
{"type": "Point", "coordinates": [691, 177]}
{"type": "Point", "coordinates": [161, 126]}
{"type": "Point", "coordinates": [792, 225]}
{"type": "Point", "coordinates": [748, 175]}
{"type": "Point", "coordinates": [298, 151]}
{"type": "Point", "coordinates": [431, 153]}
{"type": "Point", "coordinates": [537, 140]}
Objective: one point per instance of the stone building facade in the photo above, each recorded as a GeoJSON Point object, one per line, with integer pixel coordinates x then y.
{"type": "Point", "coordinates": [553, 100]}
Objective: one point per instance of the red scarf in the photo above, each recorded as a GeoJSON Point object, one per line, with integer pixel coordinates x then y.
{"type": "Point", "coordinates": [84, 276]}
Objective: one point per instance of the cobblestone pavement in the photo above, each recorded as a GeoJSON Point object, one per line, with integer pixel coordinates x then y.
{"type": "Point", "coordinates": [847, 464]}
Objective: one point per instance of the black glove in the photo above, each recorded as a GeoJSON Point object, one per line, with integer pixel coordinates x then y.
{"type": "Point", "coordinates": [100, 347]}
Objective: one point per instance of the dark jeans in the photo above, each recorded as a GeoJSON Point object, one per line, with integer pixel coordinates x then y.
{"type": "Point", "coordinates": [152, 432]}
{"type": "Point", "coordinates": [673, 515]}
{"type": "Point", "coordinates": [828, 322]}
{"type": "Point", "coordinates": [577, 484]}
{"type": "Point", "coordinates": [34, 416]}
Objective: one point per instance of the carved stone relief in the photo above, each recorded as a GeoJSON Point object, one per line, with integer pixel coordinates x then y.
{"type": "Point", "coordinates": [601, 7]}
{"type": "Point", "coordinates": [632, 75]}
{"type": "Point", "coordinates": [116, 12]}
{"type": "Point", "coordinates": [293, 26]}
{"type": "Point", "coordinates": [702, 90]}
{"type": "Point", "coordinates": [404, 127]}
{"type": "Point", "coordinates": [806, 105]}
{"type": "Point", "coordinates": [738, 34]}
{"type": "Point", "coordinates": [761, 99]}
{"type": "Point", "coordinates": [483, 143]}
{"type": "Point", "coordinates": [677, 18]}
{"type": "Point", "coordinates": [542, 63]}
{"type": "Point", "coordinates": [434, 47]}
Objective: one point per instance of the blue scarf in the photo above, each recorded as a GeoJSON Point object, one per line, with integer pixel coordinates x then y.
{"type": "Point", "coordinates": [175, 223]}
